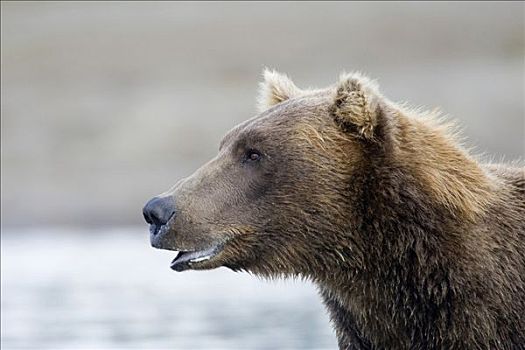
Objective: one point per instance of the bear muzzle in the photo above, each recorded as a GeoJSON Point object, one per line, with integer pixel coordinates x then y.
{"type": "Point", "coordinates": [159, 213]}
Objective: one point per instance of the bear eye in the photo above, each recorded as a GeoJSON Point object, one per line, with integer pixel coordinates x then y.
{"type": "Point", "coordinates": [253, 155]}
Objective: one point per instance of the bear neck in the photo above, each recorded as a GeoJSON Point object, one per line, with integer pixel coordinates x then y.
{"type": "Point", "coordinates": [416, 198]}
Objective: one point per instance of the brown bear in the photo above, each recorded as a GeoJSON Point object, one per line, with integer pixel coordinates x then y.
{"type": "Point", "coordinates": [412, 242]}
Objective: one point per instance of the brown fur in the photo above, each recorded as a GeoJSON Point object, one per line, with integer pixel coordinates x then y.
{"type": "Point", "coordinates": [412, 242]}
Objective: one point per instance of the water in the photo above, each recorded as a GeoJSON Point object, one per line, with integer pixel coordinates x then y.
{"type": "Point", "coordinates": [107, 289]}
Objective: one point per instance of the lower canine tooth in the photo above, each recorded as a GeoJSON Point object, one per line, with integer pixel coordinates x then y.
{"type": "Point", "coordinates": [202, 258]}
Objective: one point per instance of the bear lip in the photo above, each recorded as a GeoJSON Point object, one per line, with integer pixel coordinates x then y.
{"type": "Point", "coordinates": [187, 259]}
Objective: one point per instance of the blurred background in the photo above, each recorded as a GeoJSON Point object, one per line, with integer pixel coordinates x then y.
{"type": "Point", "coordinates": [105, 104]}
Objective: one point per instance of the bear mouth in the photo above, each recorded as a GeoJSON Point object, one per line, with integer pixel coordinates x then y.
{"type": "Point", "coordinates": [186, 260]}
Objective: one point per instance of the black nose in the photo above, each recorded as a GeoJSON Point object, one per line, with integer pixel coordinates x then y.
{"type": "Point", "coordinates": [159, 210]}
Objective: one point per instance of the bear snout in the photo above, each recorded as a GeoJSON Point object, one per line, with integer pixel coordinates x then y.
{"type": "Point", "coordinates": [157, 212]}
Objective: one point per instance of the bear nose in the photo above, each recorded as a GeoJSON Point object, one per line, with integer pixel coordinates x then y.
{"type": "Point", "coordinates": [159, 210]}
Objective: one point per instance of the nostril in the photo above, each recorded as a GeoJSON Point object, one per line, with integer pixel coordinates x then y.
{"type": "Point", "coordinates": [146, 216]}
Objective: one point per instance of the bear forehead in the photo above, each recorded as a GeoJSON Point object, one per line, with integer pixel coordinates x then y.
{"type": "Point", "coordinates": [283, 117]}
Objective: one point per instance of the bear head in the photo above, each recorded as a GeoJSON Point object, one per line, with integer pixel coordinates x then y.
{"type": "Point", "coordinates": [277, 197]}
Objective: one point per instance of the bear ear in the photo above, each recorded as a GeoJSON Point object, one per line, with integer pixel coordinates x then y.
{"type": "Point", "coordinates": [356, 104]}
{"type": "Point", "coordinates": [274, 89]}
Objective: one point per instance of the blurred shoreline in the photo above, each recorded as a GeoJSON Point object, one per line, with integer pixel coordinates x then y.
{"type": "Point", "coordinates": [107, 104]}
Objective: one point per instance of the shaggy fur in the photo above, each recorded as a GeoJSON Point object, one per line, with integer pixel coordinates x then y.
{"type": "Point", "coordinates": [412, 242]}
